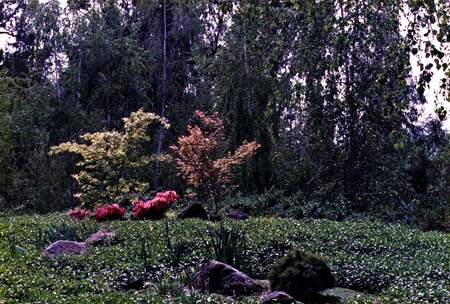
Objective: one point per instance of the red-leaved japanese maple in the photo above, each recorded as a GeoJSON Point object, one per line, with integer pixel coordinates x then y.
{"type": "Point", "coordinates": [197, 158]}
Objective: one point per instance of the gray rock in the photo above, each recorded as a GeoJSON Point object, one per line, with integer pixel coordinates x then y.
{"type": "Point", "coordinates": [342, 295]}
{"type": "Point", "coordinates": [64, 247]}
{"type": "Point", "coordinates": [237, 215]}
{"type": "Point", "coordinates": [195, 210]}
{"type": "Point", "coordinates": [279, 297]}
{"type": "Point", "coordinates": [217, 277]}
{"type": "Point", "coordinates": [101, 237]}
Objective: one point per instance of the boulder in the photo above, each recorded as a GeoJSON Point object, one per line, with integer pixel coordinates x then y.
{"type": "Point", "coordinates": [237, 215]}
{"type": "Point", "coordinates": [195, 210]}
{"type": "Point", "coordinates": [64, 247]}
{"type": "Point", "coordinates": [101, 237]}
{"type": "Point", "coordinates": [218, 277]}
{"type": "Point", "coordinates": [279, 297]}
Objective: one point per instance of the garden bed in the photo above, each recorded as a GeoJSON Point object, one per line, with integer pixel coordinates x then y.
{"type": "Point", "coordinates": [391, 263]}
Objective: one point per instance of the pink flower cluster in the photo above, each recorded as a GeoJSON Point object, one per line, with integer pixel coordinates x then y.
{"type": "Point", "coordinates": [109, 212]}
{"type": "Point", "coordinates": [78, 214]}
{"type": "Point", "coordinates": [155, 208]}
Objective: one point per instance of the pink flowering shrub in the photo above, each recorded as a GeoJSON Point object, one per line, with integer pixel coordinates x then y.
{"type": "Point", "coordinates": [109, 212]}
{"type": "Point", "coordinates": [78, 214]}
{"type": "Point", "coordinates": [155, 208]}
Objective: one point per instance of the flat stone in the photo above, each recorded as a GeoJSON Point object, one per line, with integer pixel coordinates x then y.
{"type": "Point", "coordinates": [279, 297]}
{"type": "Point", "coordinates": [100, 237]}
{"type": "Point", "coordinates": [342, 295]}
{"type": "Point", "coordinates": [64, 247]}
{"type": "Point", "coordinates": [237, 215]}
{"type": "Point", "coordinates": [218, 277]}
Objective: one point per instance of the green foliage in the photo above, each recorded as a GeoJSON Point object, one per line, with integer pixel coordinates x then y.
{"type": "Point", "coordinates": [276, 202]}
{"type": "Point", "coordinates": [437, 218]}
{"type": "Point", "coordinates": [300, 274]}
{"type": "Point", "coordinates": [364, 255]}
{"type": "Point", "coordinates": [14, 248]}
{"type": "Point", "coordinates": [56, 232]}
{"type": "Point", "coordinates": [113, 164]}
{"type": "Point", "coordinates": [173, 285]}
{"type": "Point", "coordinates": [8, 96]}
{"type": "Point", "coordinates": [28, 178]}
{"type": "Point", "coordinates": [325, 87]}
{"type": "Point", "coordinates": [146, 249]}
{"type": "Point", "coordinates": [177, 248]}
{"type": "Point", "coordinates": [227, 245]}
{"type": "Point", "coordinates": [107, 77]}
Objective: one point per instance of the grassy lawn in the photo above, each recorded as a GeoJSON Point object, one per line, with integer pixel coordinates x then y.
{"type": "Point", "coordinates": [391, 263]}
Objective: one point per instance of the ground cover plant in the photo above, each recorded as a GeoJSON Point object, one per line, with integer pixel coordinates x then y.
{"type": "Point", "coordinates": [391, 263]}
{"type": "Point", "coordinates": [305, 126]}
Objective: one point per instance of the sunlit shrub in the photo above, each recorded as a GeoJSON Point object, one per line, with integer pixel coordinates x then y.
{"type": "Point", "coordinates": [113, 165]}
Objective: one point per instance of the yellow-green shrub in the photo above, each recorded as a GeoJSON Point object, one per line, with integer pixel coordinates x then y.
{"type": "Point", "coordinates": [113, 163]}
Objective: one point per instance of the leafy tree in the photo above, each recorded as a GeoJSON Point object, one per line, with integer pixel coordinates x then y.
{"type": "Point", "coordinates": [429, 41]}
{"type": "Point", "coordinates": [199, 162]}
{"type": "Point", "coordinates": [29, 179]}
{"type": "Point", "coordinates": [246, 87]}
{"type": "Point", "coordinates": [106, 78]}
{"type": "Point", "coordinates": [113, 164]}
{"type": "Point", "coordinates": [7, 97]}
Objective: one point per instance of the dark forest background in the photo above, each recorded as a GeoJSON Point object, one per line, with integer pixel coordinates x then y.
{"type": "Point", "coordinates": [326, 87]}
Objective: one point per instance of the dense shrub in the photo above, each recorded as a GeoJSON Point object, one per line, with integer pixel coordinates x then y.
{"type": "Point", "coordinates": [300, 274]}
{"type": "Point", "coordinates": [155, 208]}
{"type": "Point", "coordinates": [109, 212]}
{"type": "Point", "coordinates": [436, 219]}
{"type": "Point", "coordinates": [113, 165]}
{"type": "Point", "coordinates": [78, 214]}
{"type": "Point", "coordinates": [276, 202]}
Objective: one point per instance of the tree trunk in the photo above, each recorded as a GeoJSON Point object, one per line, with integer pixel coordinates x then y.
{"type": "Point", "coordinates": [163, 103]}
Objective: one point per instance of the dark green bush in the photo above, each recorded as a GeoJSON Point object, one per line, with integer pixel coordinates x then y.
{"type": "Point", "coordinates": [279, 203]}
{"type": "Point", "coordinates": [436, 219]}
{"type": "Point", "coordinates": [300, 274]}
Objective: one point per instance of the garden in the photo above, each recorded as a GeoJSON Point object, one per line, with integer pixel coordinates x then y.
{"type": "Point", "coordinates": [225, 151]}
{"type": "Point", "coordinates": [124, 243]}
{"type": "Point", "coordinates": [156, 261]}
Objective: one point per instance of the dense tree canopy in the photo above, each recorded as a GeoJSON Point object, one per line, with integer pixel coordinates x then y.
{"type": "Point", "coordinates": [326, 88]}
